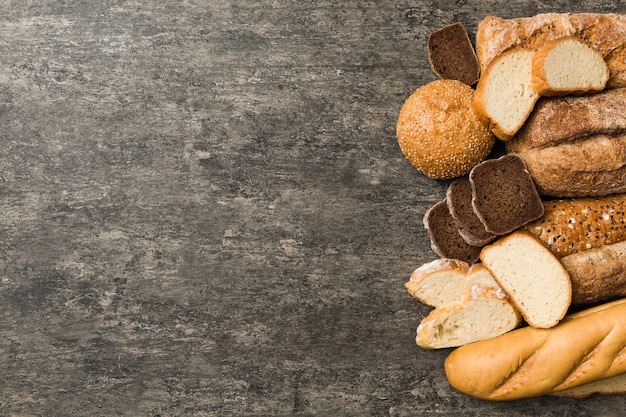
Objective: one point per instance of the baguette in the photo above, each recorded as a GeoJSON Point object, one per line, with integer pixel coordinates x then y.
{"type": "Point", "coordinates": [605, 33]}
{"type": "Point", "coordinates": [522, 364]}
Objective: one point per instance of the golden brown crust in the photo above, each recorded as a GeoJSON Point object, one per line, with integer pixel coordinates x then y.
{"type": "Point", "coordinates": [522, 363]}
{"type": "Point", "coordinates": [603, 32]}
{"type": "Point", "coordinates": [439, 134]}
{"type": "Point", "coordinates": [579, 224]}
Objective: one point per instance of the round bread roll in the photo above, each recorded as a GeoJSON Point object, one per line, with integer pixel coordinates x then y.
{"type": "Point", "coordinates": [438, 132]}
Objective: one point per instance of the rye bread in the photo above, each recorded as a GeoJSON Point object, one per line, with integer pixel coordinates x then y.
{"type": "Point", "coordinates": [445, 239]}
{"type": "Point", "coordinates": [504, 196]}
{"type": "Point", "coordinates": [471, 228]}
{"type": "Point", "coordinates": [451, 54]}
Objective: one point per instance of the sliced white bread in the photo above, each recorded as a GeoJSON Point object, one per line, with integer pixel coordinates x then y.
{"type": "Point", "coordinates": [504, 95]}
{"type": "Point", "coordinates": [482, 313]}
{"type": "Point", "coordinates": [439, 282]}
{"type": "Point", "coordinates": [533, 278]}
{"type": "Point", "coordinates": [568, 66]}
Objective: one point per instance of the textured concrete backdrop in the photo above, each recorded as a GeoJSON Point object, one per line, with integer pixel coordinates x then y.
{"type": "Point", "coordinates": [204, 210]}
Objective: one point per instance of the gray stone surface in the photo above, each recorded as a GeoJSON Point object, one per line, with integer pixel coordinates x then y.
{"type": "Point", "coordinates": [204, 210]}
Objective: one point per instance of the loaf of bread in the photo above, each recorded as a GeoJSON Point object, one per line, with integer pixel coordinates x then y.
{"type": "Point", "coordinates": [605, 33]}
{"type": "Point", "coordinates": [597, 274]}
{"type": "Point", "coordinates": [573, 225]}
{"type": "Point", "coordinates": [575, 146]}
{"type": "Point", "coordinates": [529, 362]}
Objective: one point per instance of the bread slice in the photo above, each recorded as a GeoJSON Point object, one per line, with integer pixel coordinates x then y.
{"type": "Point", "coordinates": [504, 195]}
{"type": "Point", "coordinates": [484, 312]}
{"type": "Point", "coordinates": [533, 278]}
{"type": "Point", "coordinates": [451, 54]}
{"type": "Point", "coordinates": [471, 228]}
{"type": "Point", "coordinates": [444, 236]}
{"type": "Point", "coordinates": [444, 281]}
{"type": "Point", "coordinates": [504, 95]}
{"type": "Point", "coordinates": [568, 66]}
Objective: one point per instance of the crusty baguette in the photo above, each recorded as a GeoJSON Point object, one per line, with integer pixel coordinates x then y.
{"type": "Point", "coordinates": [568, 66]}
{"type": "Point", "coordinates": [578, 224]}
{"type": "Point", "coordinates": [597, 274]}
{"type": "Point", "coordinates": [529, 362]}
{"type": "Point", "coordinates": [606, 386]}
{"type": "Point", "coordinates": [603, 32]}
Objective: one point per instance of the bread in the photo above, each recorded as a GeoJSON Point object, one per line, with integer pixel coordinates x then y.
{"type": "Point", "coordinates": [576, 146]}
{"type": "Point", "coordinates": [439, 282]}
{"type": "Point", "coordinates": [572, 225]}
{"type": "Point", "coordinates": [591, 166]}
{"type": "Point", "coordinates": [605, 386]}
{"type": "Point", "coordinates": [568, 66]}
{"type": "Point", "coordinates": [504, 196]}
{"type": "Point", "coordinates": [504, 95]}
{"type": "Point", "coordinates": [605, 33]}
{"type": "Point", "coordinates": [597, 274]}
{"type": "Point", "coordinates": [533, 278]}
{"type": "Point", "coordinates": [583, 348]}
{"type": "Point", "coordinates": [439, 134]}
{"type": "Point", "coordinates": [482, 312]}
{"type": "Point", "coordinates": [459, 200]}
{"type": "Point", "coordinates": [451, 54]}
{"type": "Point", "coordinates": [444, 236]}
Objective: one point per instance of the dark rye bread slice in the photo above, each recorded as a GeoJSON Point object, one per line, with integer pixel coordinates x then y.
{"type": "Point", "coordinates": [445, 239]}
{"type": "Point", "coordinates": [504, 195]}
{"type": "Point", "coordinates": [471, 228]}
{"type": "Point", "coordinates": [452, 55]}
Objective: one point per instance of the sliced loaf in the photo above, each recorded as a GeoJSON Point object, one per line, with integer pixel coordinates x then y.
{"type": "Point", "coordinates": [471, 228]}
{"type": "Point", "coordinates": [568, 66]}
{"type": "Point", "coordinates": [438, 282]}
{"type": "Point", "coordinates": [504, 195]}
{"type": "Point", "coordinates": [533, 278]}
{"type": "Point", "coordinates": [482, 313]}
{"type": "Point", "coordinates": [444, 236]}
{"type": "Point", "coordinates": [504, 95]}
{"type": "Point", "coordinates": [452, 55]}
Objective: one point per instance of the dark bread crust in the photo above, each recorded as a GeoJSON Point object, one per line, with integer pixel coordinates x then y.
{"type": "Point", "coordinates": [459, 199]}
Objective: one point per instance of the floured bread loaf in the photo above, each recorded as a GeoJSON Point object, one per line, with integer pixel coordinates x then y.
{"type": "Point", "coordinates": [575, 146]}
{"type": "Point", "coordinates": [605, 33]}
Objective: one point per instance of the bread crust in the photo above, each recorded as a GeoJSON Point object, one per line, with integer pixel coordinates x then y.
{"type": "Point", "coordinates": [522, 363]}
{"type": "Point", "coordinates": [605, 33]}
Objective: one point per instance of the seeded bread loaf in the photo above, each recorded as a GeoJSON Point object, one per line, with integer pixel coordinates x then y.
{"type": "Point", "coordinates": [452, 55]}
{"type": "Point", "coordinates": [573, 225]}
{"type": "Point", "coordinates": [605, 33]}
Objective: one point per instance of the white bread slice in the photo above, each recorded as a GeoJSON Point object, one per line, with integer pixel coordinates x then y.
{"type": "Point", "coordinates": [482, 313]}
{"type": "Point", "coordinates": [439, 282]}
{"type": "Point", "coordinates": [534, 279]}
{"type": "Point", "coordinates": [504, 95]}
{"type": "Point", "coordinates": [568, 66]}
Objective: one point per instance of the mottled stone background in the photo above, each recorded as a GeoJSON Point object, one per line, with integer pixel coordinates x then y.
{"type": "Point", "coordinates": [204, 210]}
